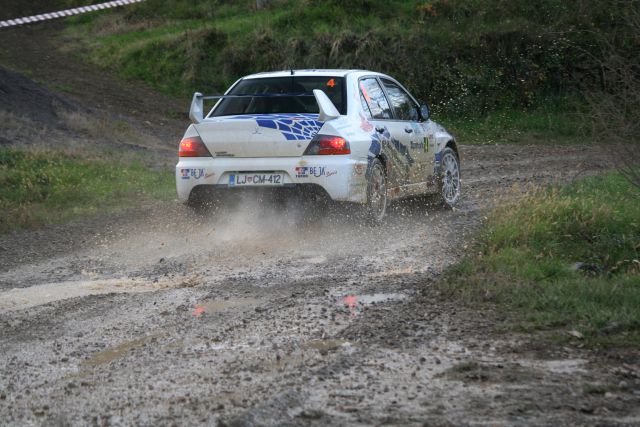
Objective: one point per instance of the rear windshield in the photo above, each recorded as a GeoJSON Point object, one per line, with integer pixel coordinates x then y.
{"type": "Point", "coordinates": [332, 86]}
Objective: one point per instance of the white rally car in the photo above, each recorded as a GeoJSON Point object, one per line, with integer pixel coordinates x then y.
{"type": "Point", "coordinates": [351, 135]}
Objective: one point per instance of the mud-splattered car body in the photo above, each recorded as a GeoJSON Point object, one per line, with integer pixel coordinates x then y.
{"type": "Point", "coordinates": [368, 113]}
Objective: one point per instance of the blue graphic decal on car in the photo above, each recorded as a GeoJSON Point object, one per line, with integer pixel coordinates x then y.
{"type": "Point", "coordinates": [436, 166]}
{"type": "Point", "coordinates": [376, 145]}
{"type": "Point", "coordinates": [395, 152]}
{"type": "Point", "coordinates": [294, 127]}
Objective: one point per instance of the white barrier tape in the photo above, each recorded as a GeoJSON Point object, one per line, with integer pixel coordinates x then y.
{"type": "Point", "coordinates": [64, 13]}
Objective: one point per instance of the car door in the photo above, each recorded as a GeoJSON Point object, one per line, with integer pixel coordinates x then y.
{"type": "Point", "coordinates": [388, 131]}
{"type": "Point", "coordinates": [410, 132]}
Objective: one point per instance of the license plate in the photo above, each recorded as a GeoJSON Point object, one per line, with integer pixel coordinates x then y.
{"type": "Point", "coordinates": [255, 179]}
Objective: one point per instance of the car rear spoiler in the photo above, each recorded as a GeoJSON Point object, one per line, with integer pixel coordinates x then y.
{"type": "Point", "coordinates": [328, 111]}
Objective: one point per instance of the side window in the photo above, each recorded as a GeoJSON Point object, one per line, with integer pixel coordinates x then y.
{"type": "Point", "coordinates": [375, 99]}
{"type": "Point", "coordinates": [365, 106]}
{"type": "Point", "coordinates": [402, 104]}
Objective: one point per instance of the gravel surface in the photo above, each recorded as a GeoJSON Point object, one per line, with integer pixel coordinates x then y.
{"type": "Point", "coordinates": [263, 315]}
{"type": "Point", "coordinates": [270, 315]}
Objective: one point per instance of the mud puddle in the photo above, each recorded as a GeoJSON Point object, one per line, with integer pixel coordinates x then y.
{"type": "Point", "coordinates": [220, 305]}
{"type": "Point", "coordinates": [116, 352]}
{"type": "Point", "coordinates": [325, 346]}
{"type": "Point", "coordinates": [24, 298]}
{"type": "Point", "coordinates": [356, 303]}
{"type": "Point", "coordinates": [566, 366]}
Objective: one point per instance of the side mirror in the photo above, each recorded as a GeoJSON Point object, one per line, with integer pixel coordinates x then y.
{"type": "Point", "coordinates": [195, 113]}
{"type": "Point", "coordinates": [424, 112]}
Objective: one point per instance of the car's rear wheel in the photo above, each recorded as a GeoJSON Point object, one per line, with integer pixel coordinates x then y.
{"type": "Point", "coordinates": [202, 200]}
{"type": "Point", "coordinates": [449, 177]}
{"type": "Point", "coordinates": [377, 200]}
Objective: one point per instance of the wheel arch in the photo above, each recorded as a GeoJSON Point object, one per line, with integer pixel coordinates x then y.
{"type": "Point", "coordinates": [383, 160]}
{"type": "Point", "coordinates": [452, 144]}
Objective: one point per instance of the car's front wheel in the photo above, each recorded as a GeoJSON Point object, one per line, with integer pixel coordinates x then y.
{"type": "Point", "coordinates": [377, 200]}
{"type": "Point", "coordinates": [449, 177]}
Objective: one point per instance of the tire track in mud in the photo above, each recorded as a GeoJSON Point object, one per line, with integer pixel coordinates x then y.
{"type": "Point", "coordinates": [265, 317]}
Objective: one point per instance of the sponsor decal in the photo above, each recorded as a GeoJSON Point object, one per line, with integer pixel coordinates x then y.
{"type": "Point", "coordinates": [191, 173]}
{"type": "Point", "coordinates": [419, 144]}
{"type": "Point", "coordinates": [302, 172]}
{"type": "Point", "coordinates": [224, 154]}
{"type": "Point", "coordinates": [313, 171]}
{"type": "Point", "coordinates": [209, 175]}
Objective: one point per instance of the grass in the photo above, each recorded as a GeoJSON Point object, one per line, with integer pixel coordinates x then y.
{"type": "Point", "coordinates": [46, 187]}
{"type": "Point", "coordinates": [548, 124]}
{"type": "Point", "coordinates": [525, 262]}
{"type": "Point", "coordinates": [466, 57]}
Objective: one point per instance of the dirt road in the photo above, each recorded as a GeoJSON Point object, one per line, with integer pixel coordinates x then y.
{"type": "Point", "coordinates": [261, 316]}
{"type": "Point", "coordinates": [258, 317]}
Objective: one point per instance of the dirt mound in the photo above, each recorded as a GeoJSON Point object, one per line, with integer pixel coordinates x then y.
{"type": "Point", "coordinates": [22, 96]}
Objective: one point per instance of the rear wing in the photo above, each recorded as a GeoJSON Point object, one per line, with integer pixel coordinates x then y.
{"type": "Point", "coordinates": [328, 111]}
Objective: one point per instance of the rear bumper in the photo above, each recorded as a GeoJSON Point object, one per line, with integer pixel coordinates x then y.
{"type": "Point", "coordinates": [342, 178]}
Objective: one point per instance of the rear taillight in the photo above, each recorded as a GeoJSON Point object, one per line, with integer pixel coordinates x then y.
{"type": "Point", "coordinates": [193, 147]}
{"type": "Point", "coordinates": [327, 145]}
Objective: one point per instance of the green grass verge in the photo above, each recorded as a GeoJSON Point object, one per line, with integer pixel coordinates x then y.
{"type": "Point", "coordinates": [525, 262]}
{"type": "Point", "coordinates": [44, 187]}
{"type": "Point", "coordinates": [553, 123]}
{"type": "Point", "coordinates": [462, 56]}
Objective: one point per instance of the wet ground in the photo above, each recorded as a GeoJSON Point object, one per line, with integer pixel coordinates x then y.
{"type": "Point", "coordinates": [273, 316]}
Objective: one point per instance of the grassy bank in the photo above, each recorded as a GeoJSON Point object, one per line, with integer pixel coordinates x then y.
{"type": "Point", "coordinates": [46, 187]}
{"type": "Point", "coordinates": [463, 56]}
{"type": "Point", "coordinates": [563, 259]}
{"type": "Point", "coordinates": [554, 123]}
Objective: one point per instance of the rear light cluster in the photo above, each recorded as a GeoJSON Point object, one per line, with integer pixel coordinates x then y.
{"type": "Point", "coordinates": [327, 145]}
{"type": "Point", "coordinates": [193, 147]}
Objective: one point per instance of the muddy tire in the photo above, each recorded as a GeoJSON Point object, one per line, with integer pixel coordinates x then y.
{"type": "Point", "coordinates": [375, 207]}
{"type": "Point", "coordinates": [449, 178]}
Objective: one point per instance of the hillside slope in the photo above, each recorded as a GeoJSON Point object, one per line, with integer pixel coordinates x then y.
{"type": "Point", "coordinates": [463, 56]}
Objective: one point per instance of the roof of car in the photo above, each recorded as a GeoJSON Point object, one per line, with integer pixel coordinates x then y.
{"type": "Point", "coordinates": [305, 73]}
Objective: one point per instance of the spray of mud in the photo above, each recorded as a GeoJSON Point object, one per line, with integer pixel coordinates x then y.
{"type": "Point", "coordinates": [249, 227]}
{"type": "Point", "coordinates": [254, 237]}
